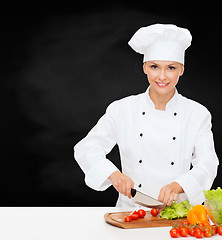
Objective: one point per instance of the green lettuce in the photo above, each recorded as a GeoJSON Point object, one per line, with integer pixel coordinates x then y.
{"type": "Point", "coordinates": [176, 210]}
{"type": "Point", "coordinates": [214, 203]}
{"type": "Point", "coordinates": [215, 197]}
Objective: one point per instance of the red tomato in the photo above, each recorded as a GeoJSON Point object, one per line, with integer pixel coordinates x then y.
{"type": "Point", "coordinates": [174, 233]}
{"type": "Point", "coordinates": [141, 213]}
{"type": "Point", "coordinates": [219, 229]}
{"type": "Point", "coordinates": [191, 231]}
{"type": "Point", "coordinates": [213, 230]}
{"type": "Point", "coordinates": [183, 232]}
{"type": "Point", "coordinates": [214, 227]}
{"type": "Point", "coordinates": [199, 233]}
{"type": "Point", "coordinates": [154, 212]}
{"type": "Point", "coordinates": [134, 216]}
{"type": "Point", "coordinates": [185, 223]}
{"type": "Point", "coordinates": [207, 232]}
{"type": "Point", "coordinates": [201, 225]}
{"type": "Point", "coordinates": [133, 212]}
{"type": "Point", "coordinates": [128, 219]}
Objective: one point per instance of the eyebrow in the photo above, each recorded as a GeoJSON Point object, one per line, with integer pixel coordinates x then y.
{"type": "Point", "coordinates": [151, 62]}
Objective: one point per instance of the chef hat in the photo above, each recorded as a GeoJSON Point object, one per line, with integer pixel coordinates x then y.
{"type": "Point", "coordinates": [161, 42]}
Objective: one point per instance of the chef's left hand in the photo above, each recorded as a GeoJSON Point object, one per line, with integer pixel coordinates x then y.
{"type": "Point", "coordinates": [169, 193]}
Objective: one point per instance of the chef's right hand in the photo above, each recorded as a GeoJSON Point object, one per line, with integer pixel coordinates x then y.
{"type": "Point", "coordinates": [122, 183]}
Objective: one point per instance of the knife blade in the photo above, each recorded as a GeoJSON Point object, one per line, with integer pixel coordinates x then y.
{"type": "Point", "coordinates": [145, 200]}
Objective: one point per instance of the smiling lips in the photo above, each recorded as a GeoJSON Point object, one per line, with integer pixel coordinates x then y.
{"type": "Point", "coordinates": [162, 84]}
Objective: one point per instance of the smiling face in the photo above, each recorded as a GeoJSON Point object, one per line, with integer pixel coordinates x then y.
{"type": "Point", "coordinates": [163, 76]}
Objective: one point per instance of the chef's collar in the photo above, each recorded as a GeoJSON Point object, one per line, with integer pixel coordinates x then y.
{"type": "Point", "coordinates": [170, 106]}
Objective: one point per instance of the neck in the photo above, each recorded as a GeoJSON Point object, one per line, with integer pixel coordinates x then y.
{"type": "Point", "coordinates": [160, 100]}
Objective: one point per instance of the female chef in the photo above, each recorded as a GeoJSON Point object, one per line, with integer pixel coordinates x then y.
{"type": "Point", "coordinates": [160, 133]}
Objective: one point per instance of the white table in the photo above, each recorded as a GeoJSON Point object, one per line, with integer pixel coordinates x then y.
{"type": "Point", "coordinates": [71, 223]}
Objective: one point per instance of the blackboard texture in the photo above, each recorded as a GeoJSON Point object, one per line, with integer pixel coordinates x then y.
{"type": "Point", "coordinates": [62, 65]}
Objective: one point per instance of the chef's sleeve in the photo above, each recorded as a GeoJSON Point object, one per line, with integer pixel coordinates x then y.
{"type": "Point", "coordinates": [205, 164]}
{"type": "Point", "coordinates": [91, 151]}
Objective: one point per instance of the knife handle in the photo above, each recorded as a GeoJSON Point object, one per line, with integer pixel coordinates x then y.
{"type": "Point", "coordinates": [133, 192]}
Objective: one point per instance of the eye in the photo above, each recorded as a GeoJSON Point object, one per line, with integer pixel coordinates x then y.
{"type": "Point", "coordinates": [171, 67]}
{"type": "Point", "coordinates": [154, 66]}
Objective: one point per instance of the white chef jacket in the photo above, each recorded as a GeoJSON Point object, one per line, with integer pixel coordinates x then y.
{"type": "Point", "coordinates": [156, 147]}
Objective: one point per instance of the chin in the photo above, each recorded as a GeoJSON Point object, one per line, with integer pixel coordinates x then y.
{"type": "Point", "coordinates": [163, 91]}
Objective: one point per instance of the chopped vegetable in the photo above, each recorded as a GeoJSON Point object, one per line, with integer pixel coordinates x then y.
{"type": "Point", "coordinates": [135, 215]}
{"type": "Point", "coordinates": [128, 219]}
{"type": "Point", "coordinates": [176, 210]}
{"type": "Point", "coordinates": [141, 213]}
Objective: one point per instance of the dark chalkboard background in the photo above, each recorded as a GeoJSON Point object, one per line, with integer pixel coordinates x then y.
{"type": "Point", "coordinates": [62, 65]}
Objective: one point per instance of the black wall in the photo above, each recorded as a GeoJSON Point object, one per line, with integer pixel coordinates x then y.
{"type": "Point", "coordinates": [62, 65]}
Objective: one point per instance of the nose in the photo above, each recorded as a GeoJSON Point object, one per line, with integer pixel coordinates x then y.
{"type": "Point", "coordinates": [162, 75]}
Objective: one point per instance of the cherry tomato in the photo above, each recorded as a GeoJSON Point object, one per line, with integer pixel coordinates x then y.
{"type": "Point", "coordinates": [201, 225]}
{"type": "Point", "coordinates": [141, 213]}
{"type": "Point", "coordinates": [214, 228]}
{"type": "Point", "coordinates": [199, 233]}
{"type": "Point", "coordinates": [185, 223]}
{"type": "Point", "coordinates": [183, 232]}
{"type": "Point", "coordinates": [219, 229]}
{"type": "Point", "coordinates": [128, 219]}
{"type": "Point", "coordinates": [191, 231]}
{"type": "Point", "coordinates": [134, 216]}
{"type": "Point", "coordinates": [174, 233]}
{"type": "Point", "coordinates": [207, 232]}
{"type": "Point", "coordinates": [133, 212]}
{"type": "Point", "coordinates": [154, 212]}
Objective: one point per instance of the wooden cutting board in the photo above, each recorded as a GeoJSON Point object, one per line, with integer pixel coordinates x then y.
{"type": "Point", "coordinates": [117, 219]}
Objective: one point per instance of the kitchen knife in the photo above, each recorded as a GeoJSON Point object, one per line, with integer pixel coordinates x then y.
{"type": "Point", "coordinates": [145, 200]}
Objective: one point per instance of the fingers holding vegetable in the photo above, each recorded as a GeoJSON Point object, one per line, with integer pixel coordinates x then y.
{"type": "Point", "coordinates": [122, 183]}
{"type": "Point", "coordinates": [160, 209]}
{"type": "Point", "coordinates": [167, 196]}
{"type": "Point", "coordinates": [169, 193]}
